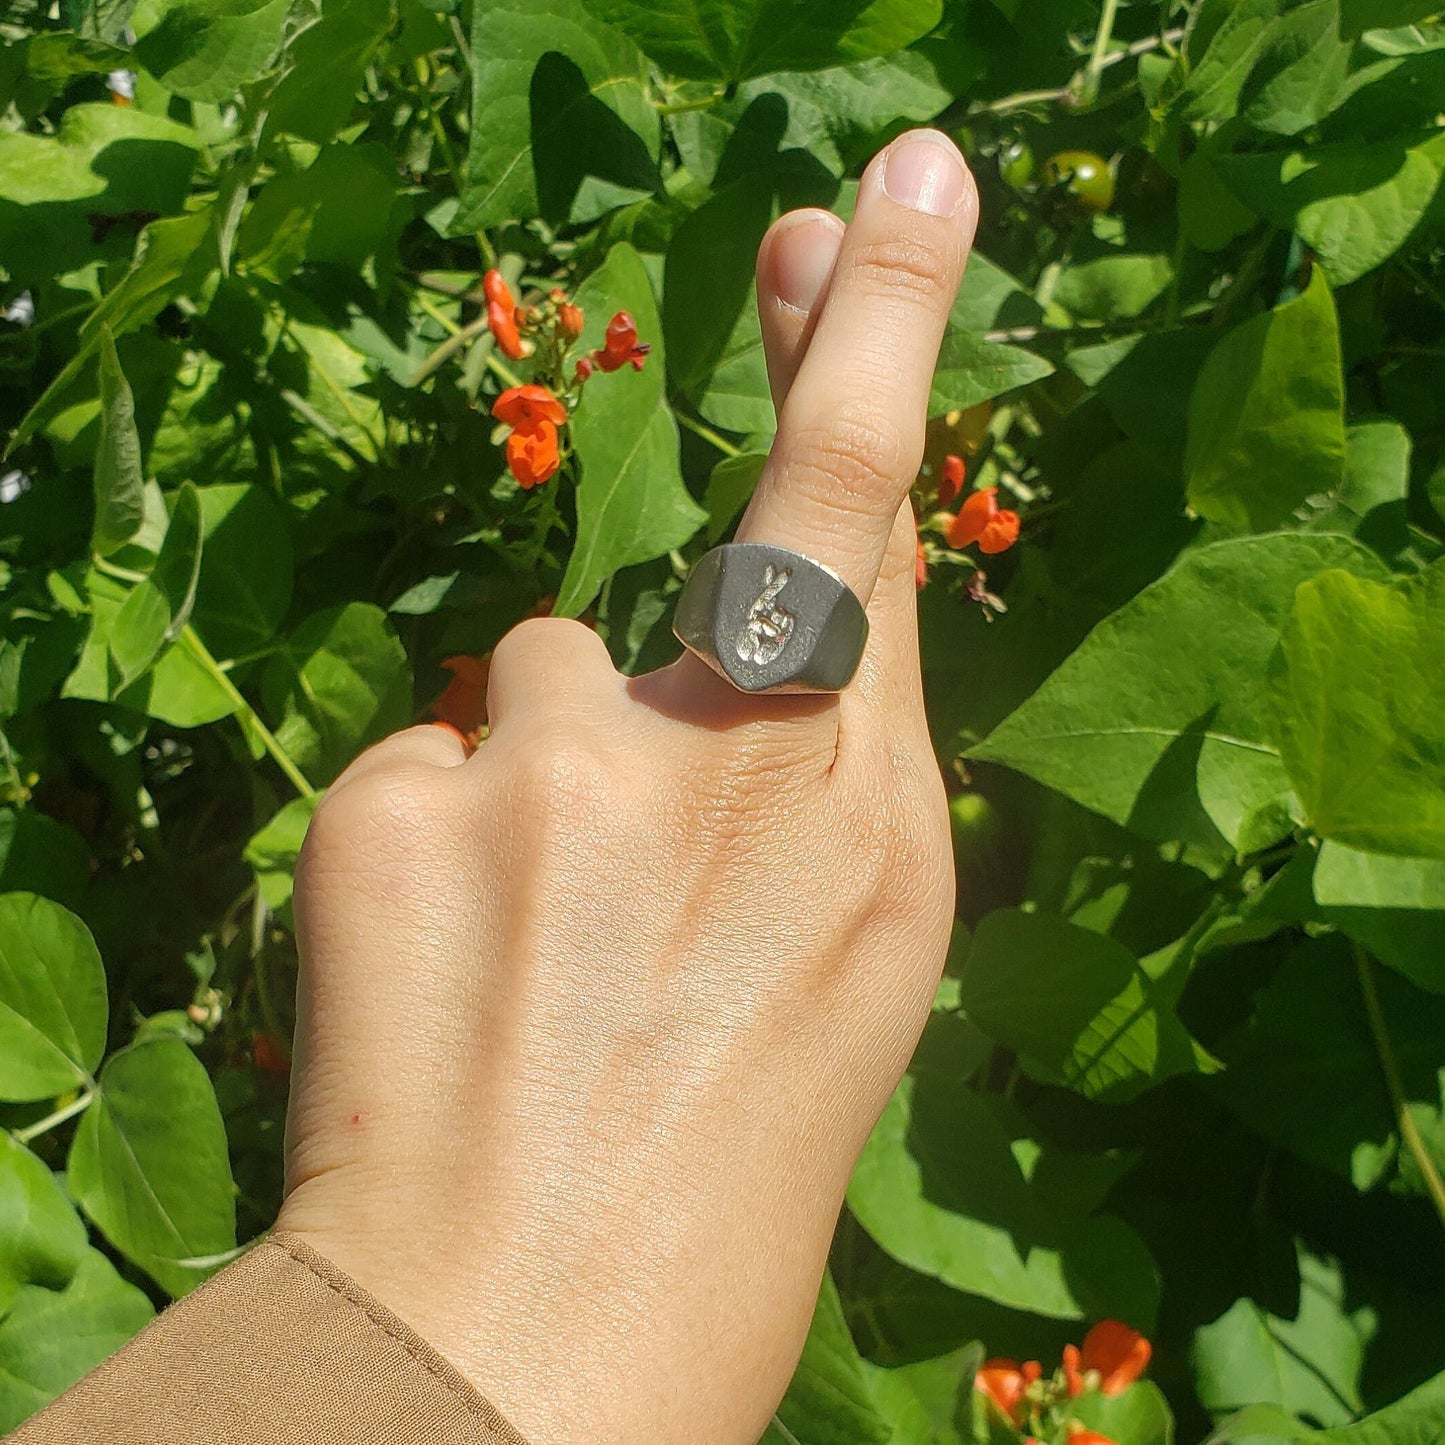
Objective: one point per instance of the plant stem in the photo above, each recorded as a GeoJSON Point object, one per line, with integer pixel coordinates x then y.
{"type": "Point", "coordinates": [283, 760]}
{"type": "Point", "coordinates": [1395, 1085]}
{"type": "Point", "coordinates": [503, 371]}
{"type": "Point", "coordinates": [1021, 101]}
{"type": "Point", "coordinates": [52, 1121]}
{"type": "Point", "coordinates": [458, 339]}
{"type": "Point", "coordinates": [708, 435]}
{"type": "Point", "coordinates": [681, 107]}
{"type": "Point", "coordinates": [1102, 37]}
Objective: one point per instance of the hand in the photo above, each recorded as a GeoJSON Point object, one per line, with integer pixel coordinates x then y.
{"type": "Point", "coordinates": [593, 1025]}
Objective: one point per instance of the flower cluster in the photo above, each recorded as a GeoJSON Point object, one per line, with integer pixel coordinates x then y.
{"type": "Point", "coordinates": [545, 333]}
{"type": "Point", "coordinates": [979, 520]}
{"type": "Point", "coordinates": [620, 348]}
{"type": "Point", "coordinates": [534, 414]}
{"type": "Point", "coordinates": [1112, 1358]}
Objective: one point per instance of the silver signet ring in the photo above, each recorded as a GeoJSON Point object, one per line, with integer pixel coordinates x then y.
{"type": "Point", "coordinates": [771, 620]}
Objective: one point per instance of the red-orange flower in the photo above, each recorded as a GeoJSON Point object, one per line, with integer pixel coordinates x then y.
{"type": "Point", "coordinates": [982, 520]}
{"type": "Point", "coordinates": [463, 703]}
{"type": "Point", "coordinates": [532, 454]}
{"type": "Point", "coordinates": [268, 1055]}
{"type": "Point", "coordinates": [1005, 1383]}
{"type": "Point", "coordinates": [950, 483]}
{"type": "Point", "coordinates": [525, 406]}
{"type": "Point", "coordinates": [1088, 1437]}
{"type": "Point", "coordinates": [1119, 1355]}
{"type": "Point", "coordinates": [1073, 1374]}
{"type": "Point", "coordinates": [495, 288]}
{"type": "Point", "coordinates": [621, 345]}
{"type": "Point", "coordinates": [503, 324]}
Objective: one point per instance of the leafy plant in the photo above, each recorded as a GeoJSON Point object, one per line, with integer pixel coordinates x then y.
{"type": "Point", "coordinates": [261, 267]}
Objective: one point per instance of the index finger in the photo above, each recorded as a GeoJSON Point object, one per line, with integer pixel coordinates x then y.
{"type": "Point", "coordinates": [850, 435]}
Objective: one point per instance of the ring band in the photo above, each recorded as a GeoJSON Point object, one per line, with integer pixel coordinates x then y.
{"type": "Point", "coordinates": [771, 620]}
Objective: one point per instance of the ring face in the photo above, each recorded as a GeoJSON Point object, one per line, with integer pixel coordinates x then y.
{"type": "Point", "coordinates": [771, 620]}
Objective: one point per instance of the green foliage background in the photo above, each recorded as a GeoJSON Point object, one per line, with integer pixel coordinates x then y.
{"type": "Point", "coordinates": [1186, 1067]}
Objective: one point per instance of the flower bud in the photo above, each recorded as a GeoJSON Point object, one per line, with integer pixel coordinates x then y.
{"type": "Point", "coordinates": [496, 290]}
{"type": "Point", "coordinates": [950, 483]}
{"type": "Point", "coordinates": [503, 326]}
{"type": "Point", "coordinates": [570, 320]}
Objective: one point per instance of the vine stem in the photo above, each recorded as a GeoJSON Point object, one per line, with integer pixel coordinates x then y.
{"type": "Point", "coordinates": [283, 760]}
{"type": "Point", "coordinates": [53, 1121]}
{"type": "Point", "coordinates": [697, 428]}
{"type": "Point", "coordinates": [1102, 37]}
{"type": "Point", "coordinates": [1395, 1086]}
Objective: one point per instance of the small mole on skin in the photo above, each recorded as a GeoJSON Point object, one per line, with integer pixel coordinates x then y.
{"type": "Point", "coordinates": [356, 1118]}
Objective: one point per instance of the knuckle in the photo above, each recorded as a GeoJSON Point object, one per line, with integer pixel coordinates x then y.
{"type": "Point", "coordinates": [559, 772]}
{"type": "Point", "coordinates": [904, 268]}
{"type": "Point", "coordinates": [368, 822]}
{"type": "Point", "coordinates": [854, 453]}
{"type": "Point", "coordinates": [543, 634]}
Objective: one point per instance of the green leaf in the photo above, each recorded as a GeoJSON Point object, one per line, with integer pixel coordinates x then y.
{"type": "Point", "coordinates": [1300, 70]}
{"type": "Point", "coordinates": [1104, 284]}
{"type": "Point", "coordinates": [1075, 1005]}
{"type": "Point", "coordinates": [169, 256]}
{"type": "Point", "coordinates": [149, 1164]}
{"type": "Point", "coordinates": [971, 370]}
{"type": "Point", "coordinates": [339, 682]}
{"type": "Point", "coordinates": [39, 855]}
{"type": "Point", "coordinates": [1210, 214]}
{"type": "Point", "coordinates": [1359, 686]}
{"type": "Point", "coordinates": [246, 571]}
{"type": "Point", "coordinates": [929, 1401]}
{"type": "Point", "coordinates": [1305, 1074]}
{"type": "Point", "coordinates": [42, 1241]}
{"type": "Point", "coordinates": [337, 210]}
{"type": "Point", "coordinates": [729, 489]}
{"type": "Point", "coordinates": [53, 59]}
{"type": "Point", "coordinates": [1347, 878]}
{"type": "Point", "coordinates": [1178, 741]}
{"type": "Point", "coordinates": [713, 337]}
{"type": "Point", "coordinates": [181, 689]}
{"type": "Point", "coordinates": [1357, 16]}
{"type": "Point", "coordinates": [631, 502]}
{"type": "Point", "coordinates": [1140, 1416]}
{"type": "Point", "coordinates": [1371, 502]}
{"type": "Point", "coordinates": [327, 61]}
{"type": "Point", "coordinates": [52, 1338]}
{"type": "Point", "coordinates": [1307, 1362]}
{"type": "Point", "coordinates": [1218, 76]}
{"type": "Point", "coordinates": [52, 999]}
{"type": "Point", "coordinates": [829, 1401]}
{"type": "Point", "coordinates": [209, 49]}
{"type": "Point", "coordinates": [939, 1188]}
{"type": "Point", "coordinates": [1393, 906]}
{"type": "Point", "coordinates": [562, 126]}
{"type": "Point", "coordinates": [1266, 420]}
{"type": "Point", "coordinates": [839, 116]}
{"type": "Point", "coordinates": [1415, 1420]}
{"type": "Point", "coordinates": [105, 160]}
{"type": "Point", "coordinates": [273, 851]}
{"type": "Point", "coordinates": [730, 40]}
{"type": "Point", "coordinates": [119, 481]}
{"type": "Point", "coordinates": [151, 618]}
{"type": "Point", "coordinates": [1354, 203]}
{"type": "Point", "coordinates": [1260, 1425]}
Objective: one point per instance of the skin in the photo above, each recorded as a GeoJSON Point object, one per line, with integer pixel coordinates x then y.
{"type": "Point", "coordinates": [594, 1024]}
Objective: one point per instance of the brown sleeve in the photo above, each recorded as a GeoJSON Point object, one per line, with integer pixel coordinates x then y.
{"type": "Point", "coordinates": [279, 1346]}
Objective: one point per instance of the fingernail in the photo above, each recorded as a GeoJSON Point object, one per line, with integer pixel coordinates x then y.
{"type": "Point", "coordinates": [924, 172]}
{"type": "Point", "coordinates": [803, 252]}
